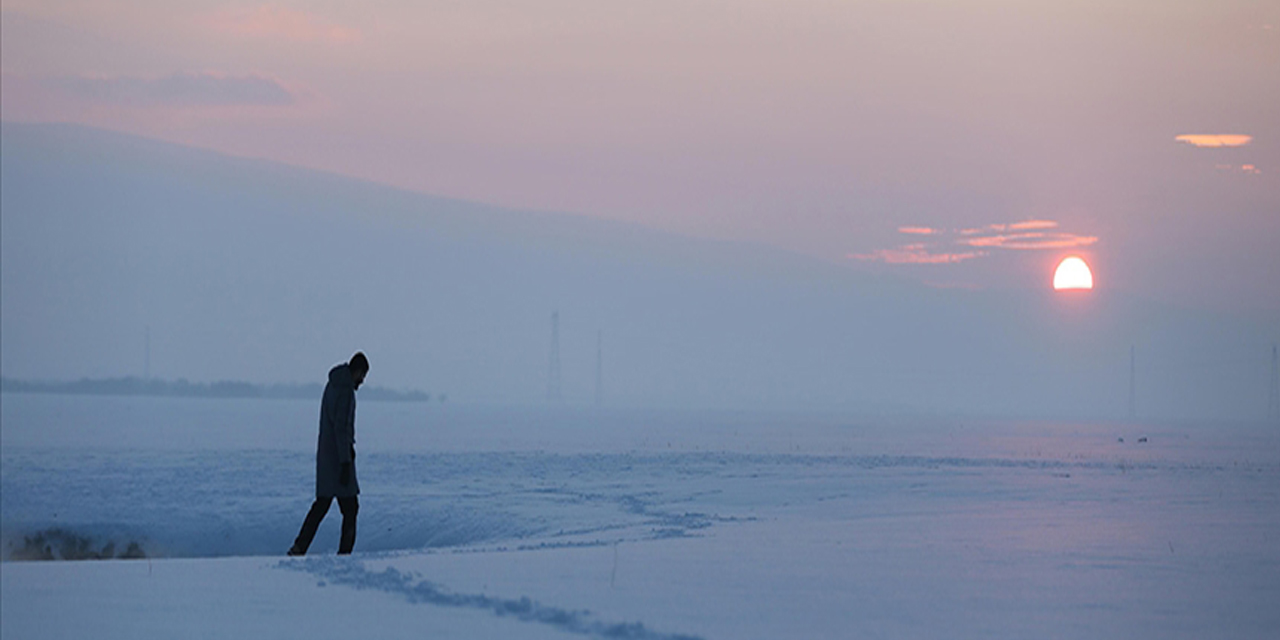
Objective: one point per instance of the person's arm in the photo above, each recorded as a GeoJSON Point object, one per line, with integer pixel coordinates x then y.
{"type": "Point", "coordinates": [345, 421]}
{"type": "Point", "coordinates": [343, 417]}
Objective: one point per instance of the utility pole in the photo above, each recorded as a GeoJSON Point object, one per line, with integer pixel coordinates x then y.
{"type": "Point", "coordinates": [599, 368]}
{"type": "Point", "coordinates": [553, 366]}
{"type": "Point", "coordinates": [1133, 383]}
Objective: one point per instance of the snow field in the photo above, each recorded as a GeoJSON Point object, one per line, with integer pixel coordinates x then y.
{"type": "Point", "coordinates": [500, 525]}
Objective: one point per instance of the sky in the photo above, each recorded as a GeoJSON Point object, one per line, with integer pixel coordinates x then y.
{"type": "Point", "coordinates": [965, 144]}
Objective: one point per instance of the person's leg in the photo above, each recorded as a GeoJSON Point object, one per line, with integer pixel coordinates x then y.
{"type": "Point", "coordinates": [350, 507]}
{"type": "Point", "coordinates": [318, 510]}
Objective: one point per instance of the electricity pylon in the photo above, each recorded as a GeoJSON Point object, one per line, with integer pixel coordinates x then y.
{"type": "Point", "coordinates": [553, 366]}
{"type": "Point", "coordinates": [599, 368]}
{"type": "Point", "coordinates": [1273, 404]}
{"type": "Point", "coordinates": [1133, 383]}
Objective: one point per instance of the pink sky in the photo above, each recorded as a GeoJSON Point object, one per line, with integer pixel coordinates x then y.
{"type": "Point", "coordinates": [822, 127]}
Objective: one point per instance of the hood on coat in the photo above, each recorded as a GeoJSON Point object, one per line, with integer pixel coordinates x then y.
{"type": "Point", "coordinates": [340, 376]}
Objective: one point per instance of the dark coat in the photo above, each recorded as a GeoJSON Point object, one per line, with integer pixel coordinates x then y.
{"type": "Point", "coordinates": [337, 443]}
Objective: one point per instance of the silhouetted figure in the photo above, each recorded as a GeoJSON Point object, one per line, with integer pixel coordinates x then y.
{"type": "Point", "coordinates": [336, 456]}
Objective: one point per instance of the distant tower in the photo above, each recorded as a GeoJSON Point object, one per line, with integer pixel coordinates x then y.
{"type": "Point", "coordinates": [146, 363]}
{"type": "Point", "coordinates": [553, 367]}
{"type": "Point", "coordinates": [1273, 405]}
{"type": "Point", "coordinates": [1133, 383]}
{"type": "Point", "coordinates": [599, 368]}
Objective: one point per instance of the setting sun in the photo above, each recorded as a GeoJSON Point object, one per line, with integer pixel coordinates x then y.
{"type": "Point", "coordinates": [1072, 273]}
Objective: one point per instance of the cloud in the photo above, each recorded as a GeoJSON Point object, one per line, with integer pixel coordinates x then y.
{"type": "Point", "coordinates": [913, 255]}
{"type": "Point", "coordinates": [1215, 140]}
{"type": "Point", "coordinates": [1012, 226]}
{"type": "Point", "coordinates": [1032, 224]}
{"type": "Point", "coordinates": [178, 89]}
{"type": "Point", "coordinates": [1244, 168]}
{"type": "Point", "coordinates": [977, 242]}
{"type": "Point", "coordinates": [269, 21]}
{"type": "Point", "coordinates": [1032, 240]}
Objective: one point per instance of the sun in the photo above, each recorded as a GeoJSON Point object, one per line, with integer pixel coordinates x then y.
{"type": "Point", "coordinates": [1072, 273]}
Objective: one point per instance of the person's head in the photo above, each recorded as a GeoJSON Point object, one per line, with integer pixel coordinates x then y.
{"type": "Point", "coordinates": [359, 366]}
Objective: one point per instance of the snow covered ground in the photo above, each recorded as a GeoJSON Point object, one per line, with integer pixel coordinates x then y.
{"type": "Point", "coordinates": [490, 523]}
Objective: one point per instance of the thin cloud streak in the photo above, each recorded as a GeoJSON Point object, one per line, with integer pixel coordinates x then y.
{"type": "Point", "coordinates": [1215, 140]}
{"type": "Point", "coordinates": [916, 256]}
{"type": "Point", "coordinates": [1033, 224]}
{"type": "Point", "coordinates": [1244, 168]}
{"type": "Point", "coordinates": [268, 21]}
{"type": "Point", "coordinates": [1014, 226]}
{"type": "Point", "coordinates": [1023, 235]}
{"type": "Point", "coordinates": [1033, 240]}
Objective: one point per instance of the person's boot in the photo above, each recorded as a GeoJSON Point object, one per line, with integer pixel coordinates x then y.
{"type": "Point", "coordinates": [350, 507]}
{"type": "Point", "coordinates": [348, 540]}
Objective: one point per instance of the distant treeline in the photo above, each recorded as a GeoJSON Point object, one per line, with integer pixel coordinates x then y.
{"type": "Point", "coordinates": [133, 386]}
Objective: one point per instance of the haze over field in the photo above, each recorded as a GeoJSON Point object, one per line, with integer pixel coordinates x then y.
{"type": "Point", "coordinates": [245, 269]}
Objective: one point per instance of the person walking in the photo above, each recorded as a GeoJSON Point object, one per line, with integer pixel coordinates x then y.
{"type": "Point", "coordinates": [336, 456]}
